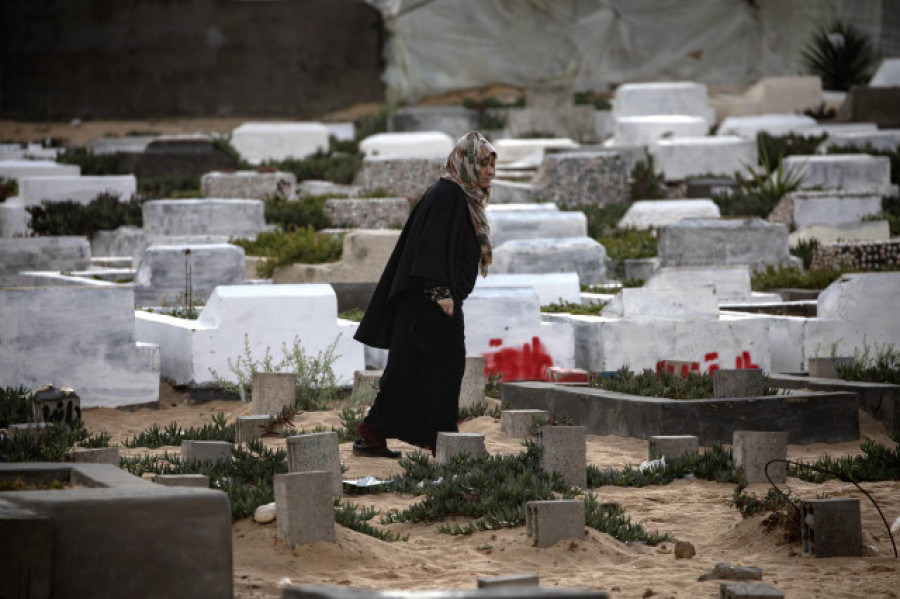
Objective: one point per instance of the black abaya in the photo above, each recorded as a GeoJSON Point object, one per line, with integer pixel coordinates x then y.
{"type": "Point", "coordinates": [419, 391]}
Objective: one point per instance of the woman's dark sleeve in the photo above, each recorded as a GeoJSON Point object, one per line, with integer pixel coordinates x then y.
{"type": "Point", "coordinates": [435, 246]}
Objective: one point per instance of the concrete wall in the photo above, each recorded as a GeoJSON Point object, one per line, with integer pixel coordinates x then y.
{"type": "Point", "coordinates": [44, 253]}
{"type": "Point", "coordinates": [80, 337]}
{"type": "Point", "coordinates": [111, 59]}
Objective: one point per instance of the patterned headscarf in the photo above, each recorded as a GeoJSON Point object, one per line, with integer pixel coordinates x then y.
{"type": "Point", "coordinates": [462, 168]}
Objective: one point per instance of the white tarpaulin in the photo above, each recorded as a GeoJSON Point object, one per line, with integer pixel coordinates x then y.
{"type": "Point", "coordinates": [436, 46]}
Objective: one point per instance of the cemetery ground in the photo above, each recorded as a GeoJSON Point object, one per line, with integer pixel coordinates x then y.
{"type": "Point", "coordinates": [699, 512]}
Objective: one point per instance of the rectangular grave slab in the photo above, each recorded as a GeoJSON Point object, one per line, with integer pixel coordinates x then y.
{"type": "Point", "coordinates": [847, 172]}
{"type": "Point", "coordinates": [642, 130]}
{"type": "Point", "coordinates": [574, 179]}
{"type": "Point", "coordinates": [19, 169]}
{"type": "Point", "coordinates": [581, 255]}
{"type": "Point", "coordinates": [670, 97]}
{"type": "Point", "coordinates": [259, 142]}
{"type": "Point", "coordinates": [415, 145]}
{"type": "Point", "coordinates": [210, 216]}
{"type": "Point", "coordinates": [508, 225]}
{"type": "Point", "coordinates": [111, 529]}
{"type": "Point", "coordinates": [44, 253]}
{"type": "Point", "coordinates": [248, 185]}
{"type": "Point", "coordinates": [406, 177]}
{"type": "Point", "coordinates": [807, 417]}
{"type": "Point", "coordinates": [707, 242]}
{"type": "Point", "coordinates": [368, 213]}
{"type": "Point", "coordinates": [168, 274]}
{"type": "Point", "coordinates": [42, 342]}
{"type": "Point", "coordinates": [680, 158]}
{"type": "Point", "coordinates": [773, 124]}
{"type": "Point", "coordinates": [647, 214]}
{"type": "Point", "coordinates": [83, 190]}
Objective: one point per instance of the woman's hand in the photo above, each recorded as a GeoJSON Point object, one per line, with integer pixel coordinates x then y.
{"type": "Point", "coordinates": [446, 305]}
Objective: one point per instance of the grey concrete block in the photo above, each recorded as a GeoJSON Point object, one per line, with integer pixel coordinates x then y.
{"type": "Point", "coordinates": [28, 429]}
{"type": "Point", "coordinates": [26, 553]}
{"type": "Point", "coordinates": [248, 184]}
{"type": "Point", "coordinates": [550, 521]}
{"type": "Point", "coordinates": [206, 451]}
{"type": "Point", "coordinates": [723, 571]}
{"type": "Point", "coordinates": [231, 217]}
{"type": "Point", "coordinates": [808, 417]}
{"type": "Point", "coordinates": [746, 590]}
{"type": "Point", "coordinates": [673, 446]}
{"type": "Point", "coordinates": [517, 580]}
{"type": "Point", "coordinates": [581, 255]}
{"type": "Point", "coordinates": [640, 268]}
{"type": "Point", "coordinates": [107, 534]}
{"type": "Point", "coordinates": [182, 480]}
{"type": "Point", "coordinates": [450, 445]}
{"type": "Point", "coordinates": [754, 449]}
{"type": "Point", "coordinates": [509, 225]}
{"type": "Point", "coordinates": [44, 253]}
{"type": "Point", "coordinates": [273, 391]}
{"type": "Point", "coordinates": [564, 451]}
{"type": "Point", "coordinates": [712, 242]}
{"type": "Point", "coordinates": [471, 390]}
{"type": "Point", "coordinates": [162, 272]}
{"type": "Point", "coordinates": [520, 423]}
{"type": "Point", "coordinates": [826, 368]}
{"type": "Point", "coordinates": [367, 213]}
{"type": "Point", "coordinates": [747, 382]}
{"type": "Point", "coordinates": [407, 177]}
{"type": "Point", "coordinates": [304, 502]}
{"type": "Point", "coordinates": [248, 428]}
{"type": "Point", "coordinates": [575, 179]}
{"type": "Point", "coordinates": [316, 452]}
{"type": "Point", "coordinates": [831, 527]}
{"type": "Point", "coordinates": [365, 384]}
{"type": "Point", "coordinates": [97, 455]}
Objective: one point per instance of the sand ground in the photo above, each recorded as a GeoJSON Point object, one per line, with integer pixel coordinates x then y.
{"type": "Point", "coordinates": [690, 510]}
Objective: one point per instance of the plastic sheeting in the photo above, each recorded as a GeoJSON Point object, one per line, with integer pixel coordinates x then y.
{"type": "Point", "coordinates": [436, 46]}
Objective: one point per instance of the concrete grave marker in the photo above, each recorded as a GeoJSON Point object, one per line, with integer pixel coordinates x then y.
{"type": "Point", "coordinates": [304, 502]}
{"type": "Point", "coordinates": [316, 452]}
{"type": "Point", "coordinates": [273, 392]}
{"type": "Point", "coordinates": [260, 142]}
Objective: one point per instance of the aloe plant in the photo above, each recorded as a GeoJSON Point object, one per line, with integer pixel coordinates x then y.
{"type": "Point", "coordinates": [841, 55]}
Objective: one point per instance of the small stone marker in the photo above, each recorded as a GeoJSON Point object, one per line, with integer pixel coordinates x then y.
{"type": "Point", "coordinates": [471, 391]}
{"type": "Point", "coordinates": [365, 384]}
{"type": "Point", "coordinates": [206, 451]}
{"type": "Point", "coordinates": [524, 579]}
{"type": "Point", "coordinates": [182, 480]}
{"type": "Point", "coordinates": [450, 445]}
{"type": "Point", "coordinates": [265, 513]}
{"type": "Point", "coordinates": [746, 590]}
{"type": "Point", "coordinates": [831, 527]}
{"type": "Point", "coordinates": [273, 391]}
{"type": "Point", "coordinates": [747, 382]}
{"type": "Point", "coordinates": [316, 452]}
{"type": "Point", "coordinates": [754, 449]}
{"type": "Point", "coordinates": [56, 404]}
{"type": "Point", "coordinates": [826, 368]}
{"type": "Point", "coordinates": [95, 455]}
{"type": "Point", "coordinates": [304, 503]}
{"type": "Point", "coordinates": [550, 521]}
{"type": "Point", "coordinates": [672, 446]}
{"type": "Point", "coordinates": [564, 451]}
{"type": "Point", "coordinates": [248, 428]}
{"type": "Point", "coordinates": [519, 424]}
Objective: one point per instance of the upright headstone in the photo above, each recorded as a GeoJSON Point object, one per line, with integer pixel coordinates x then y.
{"type": "Point", "coordinates": [738, 383]}
{"type": "Point", "coordinates": [547, 522]}
{"type": "Point", "coordinates": [304, 502]}
{"type": "Point", "coordinates": [564, 450]}
{"type": "Point", "coordinates": [471, 391]}
{"type": "Point", "coordinates": [316, 452]}
{"type": "Point", "coordinates": [831, 527]}
{"type": "Point", "coordinates": [273, 392]}
{"type": "Point", "coordinates": [753, 450]}
{"type": "Point", "coordinates": [450, 445]}
{"type": "Point", "coordinates": [672, 446]}
{"type": "Point", "coordinates": [206, 451]}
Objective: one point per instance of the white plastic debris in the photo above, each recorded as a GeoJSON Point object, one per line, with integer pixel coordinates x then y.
{"type": "Point", "coordinates": [661, 462]}
{"type": "Point", "coordinates": [366, 481]}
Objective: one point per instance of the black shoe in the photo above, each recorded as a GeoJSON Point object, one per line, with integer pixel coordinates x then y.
{"type": "Point", "coordinates": [371, 451]}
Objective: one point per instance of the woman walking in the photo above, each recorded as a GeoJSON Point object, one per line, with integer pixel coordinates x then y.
{"type": "Point", "coordinates": [416, 309]}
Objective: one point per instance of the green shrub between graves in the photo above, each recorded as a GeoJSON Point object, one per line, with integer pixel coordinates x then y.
{"type": "Point", "coordinates": [890, 211]}
{"type": "Point", "coordinates": [51, 445]}
{"type": "Point", "coordinates": [841, 55]}
{"type": "Point", "coordinates": [290, 215]}
{"type": "Point", "coordinates": [8, 189]}
{"type": "Point", "coordinates": [15, 406]}
{"type": "Point", "coordinates": [788, 277]}
{"type": "Point", "coordinates": [646, 184]}
{"type": "Point", "coordinates": [92, 164]}
{"type": "Point", "coordinates": [68, 217]}
{"type": "Point", "coordinates": [662, 384]}
{"type": "Point", "coordinates": [773, 148]}
{"type": "Point", "coordinates": [878, 364]}
{"type": "Point", "coordinates": [337, 166]}
{"type": "Point", "coordinates": [304, 246]}
{"type": "Point", "coordinates": [573, 308]}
